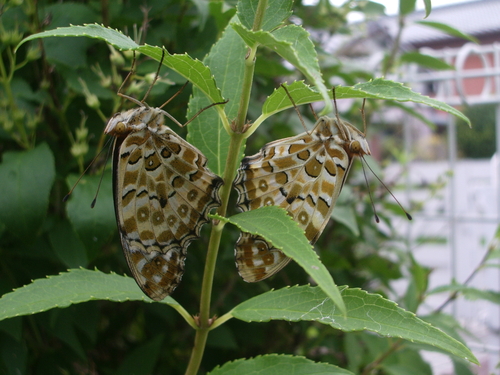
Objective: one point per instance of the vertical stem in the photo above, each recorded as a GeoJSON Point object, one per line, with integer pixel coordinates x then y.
{"type": "Point", "coordinates": [389, 63]}
{"type": "Point", "coordinates": [213, 248]}
{"type": "Point", "coordinates": [232, 161]}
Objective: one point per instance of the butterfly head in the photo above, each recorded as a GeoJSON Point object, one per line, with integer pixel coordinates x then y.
{"type": "Point", "coordinates": [355, 140]}
{"type": "Point", "coordinates": [359, 146]}
{"type": "Point", "coordinates": [134, 120]}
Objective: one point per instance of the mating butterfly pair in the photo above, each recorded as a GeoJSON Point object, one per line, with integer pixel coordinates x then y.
{"type": "Point", "coordinates": [163, 192]}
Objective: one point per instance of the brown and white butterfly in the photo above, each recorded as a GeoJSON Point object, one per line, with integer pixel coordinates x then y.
{"type": "Point", "coordinates": [163, 193]}
{"type": "Point", "coordinates": [302, 174]}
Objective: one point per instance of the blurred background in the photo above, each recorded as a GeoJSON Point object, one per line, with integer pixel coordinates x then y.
{"type": "Point", "coordinates": [56, 95]}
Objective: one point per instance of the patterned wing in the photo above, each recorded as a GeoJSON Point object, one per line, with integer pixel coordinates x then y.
{"type": "Point", "coordinates": [163, 194]}
{"type": "Point", "coordinates": [302, 174]}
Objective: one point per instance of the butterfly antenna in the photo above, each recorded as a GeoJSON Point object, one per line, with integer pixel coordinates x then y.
{"type": "Point", "coordinates": [370, 192]}
{"type": "Point", "coordinates": [131, 72]}
{"type": "Point", "coordinates": [175, 95]}
{"type": "Point", "coordinates": [384, 185]}
{"type": "Point", "coordinates": [313, 111]}
{"type": "Point", "coordinates": [66, 197]}
{"type": "Point", "coordinates": [102, 175]}
{"type": "Point", "coordinates": [156, 76]}
{"type": "Point", "coordinates": [295, 107]}
{"type": "Point", "coordinates": [339, 121]}
{"type": "Point", "coordinates": [204, 109]}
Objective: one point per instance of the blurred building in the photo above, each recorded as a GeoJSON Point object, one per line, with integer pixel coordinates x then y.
{"type": "Point", "coordinates": [463, 217]}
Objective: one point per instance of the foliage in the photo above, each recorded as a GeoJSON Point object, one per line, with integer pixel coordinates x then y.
{"type": "Point", "coordinates": [53, 112]}
{"type": "Point", "coordinates": [478, 142]}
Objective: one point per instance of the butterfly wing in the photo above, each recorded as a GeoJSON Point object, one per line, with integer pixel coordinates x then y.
{"type": "Point", "coordinates": [163, 194]}
{"type": "Point", "coordinates": [302, 174]}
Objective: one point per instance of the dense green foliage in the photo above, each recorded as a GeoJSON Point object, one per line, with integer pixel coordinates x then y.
{"type": "Point", "coordinates": [478, 142]}
{"type": "Point", "coordinates": [56, 96]}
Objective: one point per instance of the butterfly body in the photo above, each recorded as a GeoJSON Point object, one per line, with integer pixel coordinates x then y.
{"type": "Point", "coordinates": [163, 193]}
{"type": "Point", "coordinates": [302, 174]}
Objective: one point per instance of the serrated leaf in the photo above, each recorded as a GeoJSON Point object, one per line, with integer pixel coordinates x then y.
{"type": "Point", "coordinates": [277, 11]}
{"type": "Point", "coordinates": [191, 69]}
{"type": "Point", "coordinates": [27, 178]}
{"type": "Point", "coordinates": [274, 364]}
{"type": "Point", "coordinates": [283, 232]}
{"type": "Point", "coordinates": [294, 45]}
{"type": "Point", "coordinates": [364, 311]}
{"type": "Point", "coordinates": [376, 89]}
{"type": "Point", "coordinates": [426, 60]}
{"type": "Point", "coordinates": [207, 132]}
{"type": "Point", "coordinates": [111, 36]}
{"type": "Point", "coordinates": [67, 288]}
{"type": "Point", "coordinates": [448, 30]}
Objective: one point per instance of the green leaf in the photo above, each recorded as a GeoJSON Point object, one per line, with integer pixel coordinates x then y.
{"type": "Point", "coordinates": [111, 36]}
{"type": "Point", "coordinates": [274, 364]}
{"type": "Point", "coordinates": [376, 89]}
{"type": "Point", "coordinates": [67, 246]}
{"type": "Point", "coordinates": [412, 112]}
{"type": "Point", "coordinates": [448, 324]}
{"type": "Point", "coordinates": [63, 327]}
{"type": "Point", "coordinates": [142, 360]}
{"type": "Point", "coordinates": [14, 354]}
{"type": "Point", "coordinates": [406, 6]}
{"type": "Point", "coordinates": [428, 7]}
{"type": "Point", "coordinates": [346, 215]}
{"type": "Point", "coordinates": [427, 61]}
{"type": "Point", "coordinates": [27, 178]}
{"type": "Point", "coordinates": [461, 367]}
{"type": "Point", "coordinates": [67, 288]}
{"type": "Point", "coordinates": [191, 69]}
{"type": "Point", "coordinates": [61, 15]}
{"type": "Point", "coordinates": [407, 362]}
{"type": "Point", "coordinates": [274, 224]}
{"type": "Point", "coordinates": [365, 311]}
{"type": "Point", "coordinates": [294, 45]}
{"type": "Point", "coordinates": [449, 30]}
{"type": "Point", "coordinates": [469, 292]}
{"type": "Point", "coordinates": [277, 11]}
{"type": "Point", "coordinates": [207, 132]}
{"type": "Point", "coordinates": [94, 226]}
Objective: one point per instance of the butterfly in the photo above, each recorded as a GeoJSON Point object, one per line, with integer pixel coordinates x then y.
{"type": "Point", "coordinates": [302, 174]}
{"type": "Point", "coordinates": [163, 193]}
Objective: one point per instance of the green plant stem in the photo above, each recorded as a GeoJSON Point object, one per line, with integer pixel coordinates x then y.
{"type": "Point", "coordinates": [259, 15]}
{"type": "Point", "coordinates": [389, 63]}
{"type": "Point", "coordinates": [455, 294]}
{"type": "Point", "coordinates": [232, 162]}
{"type": "Point", "coordinates": [246, 90]}
{"type": "Point", "coordinates": [249, 71]}
{"type": "Point", "coordinates": [204, 322]}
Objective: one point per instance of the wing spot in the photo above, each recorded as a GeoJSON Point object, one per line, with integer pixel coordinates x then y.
{"type": "Point", "coordinates": [192, 195]}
